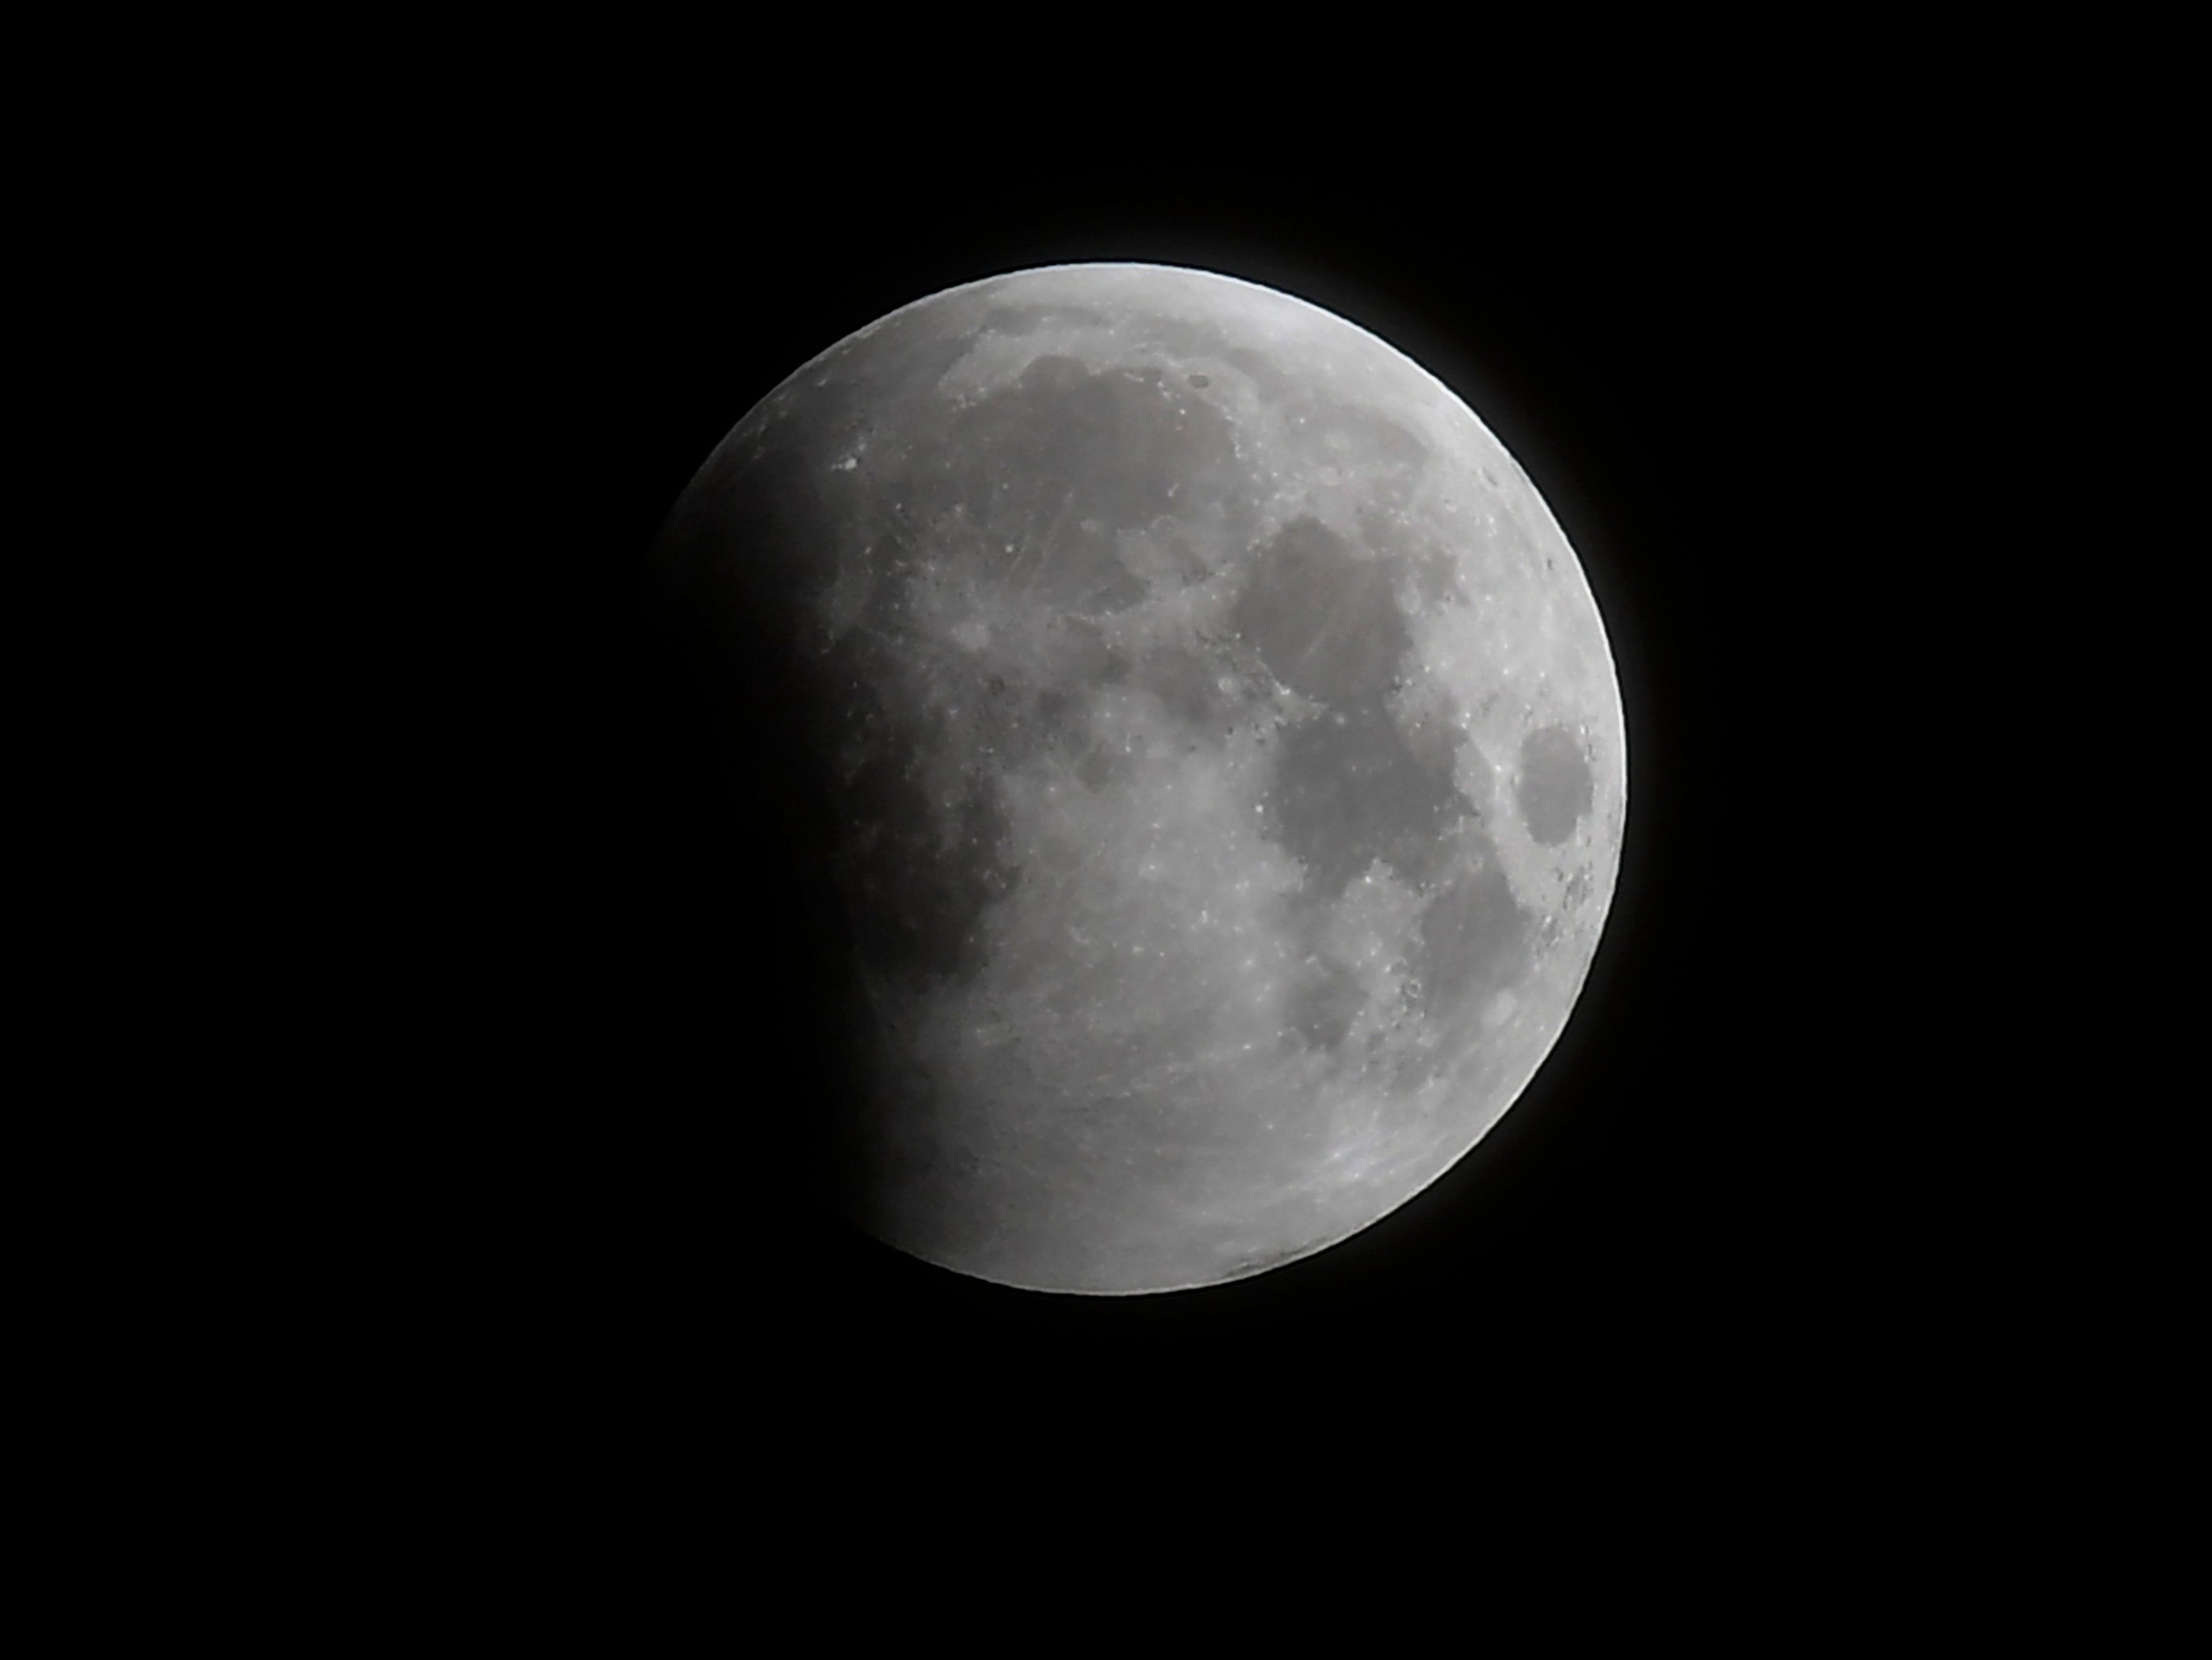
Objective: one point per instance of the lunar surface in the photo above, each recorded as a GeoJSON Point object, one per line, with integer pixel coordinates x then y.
{"type": "Point", "coordinates": [1210, 746]}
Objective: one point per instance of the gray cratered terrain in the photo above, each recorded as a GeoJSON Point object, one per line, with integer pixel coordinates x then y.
{"type": "Point", "coordinates": [1212, 745]}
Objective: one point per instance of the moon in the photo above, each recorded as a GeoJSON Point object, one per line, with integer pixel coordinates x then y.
{"type": "Point", "coordinates": [1206, 747]}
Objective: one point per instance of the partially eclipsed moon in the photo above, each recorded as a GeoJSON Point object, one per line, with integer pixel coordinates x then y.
{"type": "Point", "coordinates": [1212, 743]}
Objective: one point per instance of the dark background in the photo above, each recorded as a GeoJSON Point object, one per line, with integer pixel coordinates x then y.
{"type": "Point", "coordinates": [624, 1055]}
{"type": "Point", "coordinates": [478, 1065]}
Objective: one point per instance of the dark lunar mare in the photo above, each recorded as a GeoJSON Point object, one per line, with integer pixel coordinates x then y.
{"type": "Point", "coordinates": [1353, 785]}
{"type": "Point", "coordinates": [1555, 789]}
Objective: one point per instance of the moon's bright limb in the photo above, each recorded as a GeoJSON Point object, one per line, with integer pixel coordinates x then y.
{"type": "Point", "coordinates": [1214, 745]}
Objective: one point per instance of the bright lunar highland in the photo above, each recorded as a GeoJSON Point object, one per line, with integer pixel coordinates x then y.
{"type": "Point", "coordinates": [1211, 746]}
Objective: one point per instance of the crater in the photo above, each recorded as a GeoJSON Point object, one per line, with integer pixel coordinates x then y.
{"type": "Point", "coordinates": [1386, 458]}
{"type": "Point", "coordinates": [1554, 790]}
{"type": "Point", "coordinates": [1245, 1265]}
{"type": "Point", "coordinates": [1323, 1006]}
